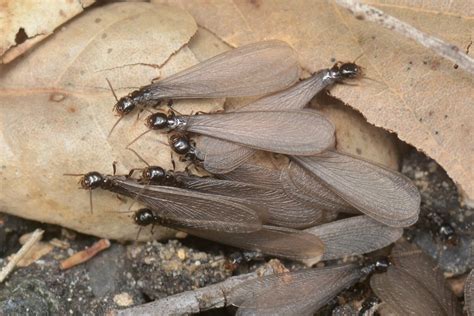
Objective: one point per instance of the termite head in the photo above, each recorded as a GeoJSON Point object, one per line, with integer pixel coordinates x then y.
{"type": "Point", "coordinates": [125, 105]}
{"type": "Point", "coordinates": [378, 266]}
{"type": "Point", "coordinates": [180, 144]}
{"type": "Point", "coordinates": [154, 174]}
{"type": "Point", "coordinates": [92, 180]}
{"type": "Point", "coordinates": [157, 121]}
{"type": "Point", "coordinates": [144, 217]}
{"type": "Point", "coordinates": [342, 71]}
{"type": "Point", "coordinates": [350, 71]}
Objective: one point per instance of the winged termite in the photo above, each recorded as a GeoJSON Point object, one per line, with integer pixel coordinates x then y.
{"type": "Point", "coordinates": [383, 194]}
{"type": "Point", "coordinates": [295, 293]}
{"type": "Point", "coordinates": [183, 207]}
{"type": "Point", "coordinates": [305, 132]}
{"type": "Point", "coordinates": [279, 209]}
{"type": "Point", "coordinates": [221, 157]}
{"type": "Point", "coordinates": [414, 285]}
{"type": "Point", "coordinates": [276, 241]}
{"type": "Point", "coordinates": [469, 293]}
{"type": "Point", "coordinates": [354, 236]}
{"type": "Point", "coordinates": [255, 69]}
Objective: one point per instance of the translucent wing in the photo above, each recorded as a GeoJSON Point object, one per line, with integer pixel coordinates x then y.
{"type": "Point", "coordinates": [294, 293]}
{"type": "Point", "coordinates": [383, 194]}
{"type": "Point", "coordinates": [404, 294]}
{"type": "Point", "coordinates": [293, 98]}
{"type": "Point", "coordinates": [410, 259]}
{"type": "Point", "coordinates": [277, 208]}
{"type": "Point", "coordinates": [275, 241]}
{"type": "Point", "coordinates": [222, 156]}
{"type": "Point", "coordinates": [300, 184]}
{"type": "Point", "coordinates": [254, 69]}
{"type": "Point", "coordinates": [469, 293]}
{"type": "Point", "coordinates": [265, 176]}
{"type": "Point", "coordinates": [354, 236]}
{"type": "Point", "coordinates": [252, 173]}
{"type": "Point", "coordinates": [191, 209]}
{"type": "Point", "coordinates": [302, 132]}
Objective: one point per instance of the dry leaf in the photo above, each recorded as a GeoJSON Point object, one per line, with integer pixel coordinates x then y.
{"type": "Point", "coordinates": [417, 94]}
{"type": "Point", "coordinates": [56, 112]}
{"type": "Point", "coordinates": [23, 24]}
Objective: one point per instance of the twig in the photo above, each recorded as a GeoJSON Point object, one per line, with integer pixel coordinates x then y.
{"type": "Point", "coordinates": [448, 51]}
{"type": "Point", "coordinates": [209, 297]}
{"type": "Point", "coordinates": [84, 255]}
{"type": "Point", "coordinates": [35, 237]}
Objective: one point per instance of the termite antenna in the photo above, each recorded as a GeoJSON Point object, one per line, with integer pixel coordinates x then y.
{"type": "Point", "coordinates": [115, 124]}
{"type": "Point", "coordinates": [136, 138]}
{"type": "Point", "coordinates": [357, 58]}
{"type": "Point", "coordinates": [138, 233]}
{"type": "Point", "coordinates": [163, 143]}
{"type": "Point", "coordinates": [114, 167]}
{"type": "Point", "coordinates": [90, 201]}
{"type": "Point", "coordinates": [138, 156]}
{"type": "Point", "coordinates": [112, 89]}
{"type": "Point", "coordinates": [374, 80]}
{"type": "Point", "coordinates": [138, 195]}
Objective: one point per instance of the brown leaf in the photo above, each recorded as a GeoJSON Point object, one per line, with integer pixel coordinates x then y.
{"type": "Point", "coordinates": [26, 23]}
{"type": "Point", "coordinates": [56, 112]}
{"type": "Point", "coordinates": [417, 94]}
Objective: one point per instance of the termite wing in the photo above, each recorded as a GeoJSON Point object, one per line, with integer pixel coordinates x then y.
{"type": "Point", "coordinates": [182, 207]}
{"type": "Point", "coordinates": [251, 70]}
{"type": "Point", "coordinates": [383, 194]}
{"type": "Point", "coordinates": [414, 285]}
{"type": "Point", "coordinates": [281, 209]}
{"type": "Point", "coordinates": [310, 193]}
{"type": "Point", "coordinates": [469, 293]}
{"type": "Point", "coordinates": [305, 132]}
{"type": "Point", "coordinates": [269, 240]}
{"type": "Point", "coordinates": [353, 236]}
{"type": "Point", "coordinates": [293, 293]}
{"type": "Point", "coordinates": [221, 157]}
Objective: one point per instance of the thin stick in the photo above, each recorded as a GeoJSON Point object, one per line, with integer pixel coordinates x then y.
{"type": "Point", "coordinates": [448, 51]}
{"type": "Point", "coordinates": [35, 237]}
{"type": "Point", "coordinates": [84, 255]}
{"type": "Point", "coordinates": [189, 302]}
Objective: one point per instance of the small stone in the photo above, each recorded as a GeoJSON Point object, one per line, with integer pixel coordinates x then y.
{"type": "Point", "coordinates": [419, 174]}
{"type": "Point", "coordinates": [123, 299]}
{"type": "Point", "coordinates": [149, 260]}
{"type": "Point", "coordinates": [181, 254]}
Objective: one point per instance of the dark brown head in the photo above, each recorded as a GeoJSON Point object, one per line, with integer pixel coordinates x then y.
{"type": "Point", "coordinates": [124, 106]}
{"type": "Point", "coordinates": [144, 217]}
{"type": "Point", "coordinates": [92, 180]}
{"type": "Point", "coordinates": [157, 121]}
{"type": "Point", "coordinates": [377, 266]}
{"type": "Point", "coordinates": [154, 174]}
{"type": "Point", "coordinates": [343, 71]}
{"type": "Point", "coordinates": [180, 144]}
